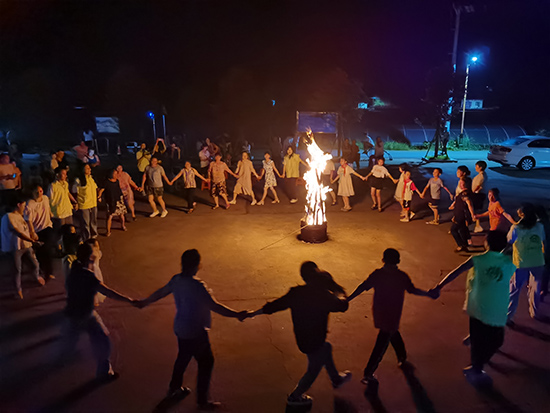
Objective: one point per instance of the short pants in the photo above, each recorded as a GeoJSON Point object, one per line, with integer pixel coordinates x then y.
{"type": "Point", "coordinates": [156, 192]}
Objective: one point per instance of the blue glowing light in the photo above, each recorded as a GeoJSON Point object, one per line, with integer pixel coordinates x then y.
{"type": "Point", "coordinates": [474, 59]}
{"type": "Point", "coordinates": [151, 115]}
{"type": "Point", "coordinates": [272, 102]}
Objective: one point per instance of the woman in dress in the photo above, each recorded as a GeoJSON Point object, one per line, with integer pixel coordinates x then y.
{"type": "Point", "coordinates": [126, 185]}
{"type": "Point", "coordinates": [114, 200]}
{"type": "Point", "coordinates": [269, 169]}
{"type": "Point", "coordinates": [243, 187]}
{"type": "Point", "coordinates": [189, 173]}
{"type": "Point", "coordinates": [345, 185]}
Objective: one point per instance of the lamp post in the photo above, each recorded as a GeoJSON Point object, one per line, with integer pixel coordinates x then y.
{"type": "Point", "coordinates": [151, 116]}
{"type": "Point", "coordinates": [471, 61]}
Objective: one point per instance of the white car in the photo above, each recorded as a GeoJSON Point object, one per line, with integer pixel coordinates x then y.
{"type": "Point", "coordinates": [525, 152]}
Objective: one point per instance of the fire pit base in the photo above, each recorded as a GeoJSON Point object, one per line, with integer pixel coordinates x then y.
{"type": "Point", "coordinates": [314, 234]}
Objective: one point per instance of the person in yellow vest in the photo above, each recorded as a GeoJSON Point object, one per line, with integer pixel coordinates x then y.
{"type": "Point", "coordinates": [86, 197]}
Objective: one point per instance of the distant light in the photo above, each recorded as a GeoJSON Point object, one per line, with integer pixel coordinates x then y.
{"type": "Point", "coordinates": [151, 115]}
{"type": "Point", "coordinates": [362, 105]}
{"type": "Point", "coordinates": [272, 102]}
{"type": "Point", "coordinates": [474, 59]}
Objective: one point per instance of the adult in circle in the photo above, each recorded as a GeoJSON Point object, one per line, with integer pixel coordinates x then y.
{"type": "Point", "coordinates": [291, 172]}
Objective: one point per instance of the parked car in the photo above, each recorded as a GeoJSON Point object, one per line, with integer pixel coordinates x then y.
{"type": "Point", "coordinates": [525, 152]}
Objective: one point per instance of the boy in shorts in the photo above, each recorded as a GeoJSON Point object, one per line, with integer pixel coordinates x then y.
{"type": "Point", "coordinates": [216, 173]}
{"type": "Point", "coordinates": [435, 184]}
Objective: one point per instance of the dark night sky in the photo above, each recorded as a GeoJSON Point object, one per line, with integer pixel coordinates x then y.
{"type": "Point", "coordinates": [390, 46]}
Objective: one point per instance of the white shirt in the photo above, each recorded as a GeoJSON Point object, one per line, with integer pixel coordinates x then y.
{"type": "Point", "coordinates": [379, 171]}
{"type": "Point", "coordinates": [480, 180]}
{"type": "Point", "coordinates": [39, 214]}
{"type": "Point", "coordinates": [10, 239]}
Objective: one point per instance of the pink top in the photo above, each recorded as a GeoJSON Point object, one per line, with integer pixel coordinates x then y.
{"type": "Point", "coordinates": [124, 180]}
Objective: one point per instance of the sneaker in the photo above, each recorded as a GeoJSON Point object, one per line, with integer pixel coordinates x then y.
{"type": "Point", "coordinates": [345, 376]}
{"type": "Point", "coordinates": [300, 400]}
{"type": "Point", "coordinates": [432, 222]}
{"type": "Point", "coordinates": [154, 214]}
{"type": "Point", "coordinates": [412, 215]}
{"type": "Point", "coordinates": [253, 202]}
{"type": "Point", "coordinates": [293, 201]}
{"type": "Point", "coordinates": [233, 201]}
{"type": "Point", "coordinates": [405, 219]}
{"type": "Point", "coordinates": [164, 213]}
{"type": "Point", "coordinates": [477, 378]}
{"type": "Point", "coordinates": [178, 393]}
{"type": "Point", "coordinates": [209, 406]}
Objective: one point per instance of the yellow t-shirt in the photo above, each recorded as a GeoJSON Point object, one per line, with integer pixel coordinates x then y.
{"type": "Point", "coordinates": [292, 166]}
{"type": "Point", "coordinates": [60, 202]}
{"type": "Point", "coordinates": [86, 195]}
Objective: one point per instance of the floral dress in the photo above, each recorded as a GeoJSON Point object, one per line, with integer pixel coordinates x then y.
{"type": "Point", "coordinates": [270, 180]}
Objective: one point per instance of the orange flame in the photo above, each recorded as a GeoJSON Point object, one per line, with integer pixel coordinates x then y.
{"type": "Point", "coordinates": [316, 191]}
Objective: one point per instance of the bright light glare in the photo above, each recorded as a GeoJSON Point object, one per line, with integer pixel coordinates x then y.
{"type": "Point", "coordinates": [316, 191]}
{"type": "Point", "coordinates": [474, 59]}
{"type": "Point", "coordinates": [151, 115]}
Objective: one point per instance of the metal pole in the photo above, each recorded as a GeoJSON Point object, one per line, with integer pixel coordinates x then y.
{"type": "Point", "coordinates": [154, 129]}
{"type": "Point", "coordinates": [164, 125]}
{"type": "Point", "coordinates": [464, 101]}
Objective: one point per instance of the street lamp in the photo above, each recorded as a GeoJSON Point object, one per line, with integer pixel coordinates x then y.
{"type": "Point", "coordinates": [471, 61]}
{"type": "Point", "coordinates": [151, 116]}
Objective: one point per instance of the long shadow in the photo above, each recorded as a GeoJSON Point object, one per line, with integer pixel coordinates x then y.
{"type": "Point", "coordinates": [343, 406]}
{"type": "Point", "coordinates": [67, 400]}
{"type": "Point", "coordinates": [31, 326]}
{"type": "Point", "coordinates": [531, 332]}
{"type": "Point", "coordinates": [420, 396]}
{"type": "Point", "coordinates": [31, 347]}
{"type": "Point", "coordinates": [167, 403]}
{"type": "Point", "coordinates": [517, 173]}
{"type": "Point", "coordinates": [376, 403]}
{"type": "Point", "coordinates": [536, 373]}
{"type": "Point", "coordinates": [496, 397]}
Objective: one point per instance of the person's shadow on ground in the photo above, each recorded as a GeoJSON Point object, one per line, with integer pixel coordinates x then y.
{"type": "Point", "coordinates": [67, 400]}
{"type": "Point", "coordinates": [420, 397]}
{"type": "Point", "coordinates": [376, 403]}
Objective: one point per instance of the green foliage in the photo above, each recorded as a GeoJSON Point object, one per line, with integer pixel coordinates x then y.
{"type": "Point", "coordinates": [397, 146]}
{"type": "Point", "coordinates": [464, 144]}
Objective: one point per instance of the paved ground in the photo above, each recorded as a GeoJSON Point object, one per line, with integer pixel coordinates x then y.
{"type": "Point", "coordinates": [257, 362]}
